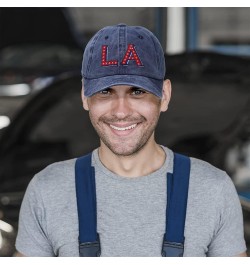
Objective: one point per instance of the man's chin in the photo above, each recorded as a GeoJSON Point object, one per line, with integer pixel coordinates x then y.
{"type": "Point", "coordinates": [125, 151]}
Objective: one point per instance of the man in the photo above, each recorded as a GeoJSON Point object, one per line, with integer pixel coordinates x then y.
{"type": "Point", "coordinates": [124, 91]}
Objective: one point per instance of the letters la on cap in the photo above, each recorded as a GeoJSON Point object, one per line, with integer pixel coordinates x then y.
{"type": "Point", "coordinates": [130, 55]}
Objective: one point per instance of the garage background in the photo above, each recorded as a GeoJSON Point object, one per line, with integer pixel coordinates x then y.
{"type": "Point", "coordinates": [41, 116]}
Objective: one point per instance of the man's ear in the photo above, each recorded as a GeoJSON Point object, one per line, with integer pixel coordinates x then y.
{"type": "Point", "coordinates": [84, 99]}
{"type": "Point", "coordinates": [166, 94]}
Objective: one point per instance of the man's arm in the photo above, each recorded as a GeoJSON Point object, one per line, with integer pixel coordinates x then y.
{"type": "Point", "coordinates": [18, 254]}
{"type": "Point", "coordinates": [32, 237]}
{"type": "Point", "coordinates": [229, 237]}
{"type": "Point", "coordinates": [244, 254]}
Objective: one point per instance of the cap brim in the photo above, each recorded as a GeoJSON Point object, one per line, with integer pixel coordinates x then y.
{"type": "Point", "coordinates": [92, 86]}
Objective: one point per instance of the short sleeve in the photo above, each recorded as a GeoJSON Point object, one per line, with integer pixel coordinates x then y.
{"type": "Point", "coordinates": [229, 235]}
{"type": "Point", "coordinates": [32, 239]}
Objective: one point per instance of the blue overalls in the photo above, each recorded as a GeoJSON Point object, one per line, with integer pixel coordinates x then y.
{"type": "Point", "coordinates": [177, 194]}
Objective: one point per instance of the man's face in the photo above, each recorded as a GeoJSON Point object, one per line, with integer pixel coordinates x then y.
{"type": "Point", "coordinates": [124, 117]}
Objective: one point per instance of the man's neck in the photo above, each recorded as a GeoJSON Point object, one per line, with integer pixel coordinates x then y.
{"type": "Point", "coordinates": [147, 160]}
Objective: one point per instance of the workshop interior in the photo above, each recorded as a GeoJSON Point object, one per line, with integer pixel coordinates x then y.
{"type": "Point", "coordinates": [207, 54]}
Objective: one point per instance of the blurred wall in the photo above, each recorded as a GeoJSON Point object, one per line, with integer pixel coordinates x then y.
{"type": "Point", "coordinates": [91, 19]}
{"type": "Point", "coordinates": [229, 25]}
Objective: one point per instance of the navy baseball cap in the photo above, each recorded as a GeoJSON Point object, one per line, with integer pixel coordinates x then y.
{"type": "Point", "coordinates": [123, 55]}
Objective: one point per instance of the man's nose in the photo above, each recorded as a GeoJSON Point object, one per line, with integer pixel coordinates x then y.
{"type": "Point", "coordinates": [121, 108]}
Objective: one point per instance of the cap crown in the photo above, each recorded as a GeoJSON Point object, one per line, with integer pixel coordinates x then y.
{"type": "Point", "coordinates": [123, 50]}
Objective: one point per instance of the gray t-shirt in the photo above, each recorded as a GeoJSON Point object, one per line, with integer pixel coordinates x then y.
{"type": "Point", "coordinates": [130, 212]}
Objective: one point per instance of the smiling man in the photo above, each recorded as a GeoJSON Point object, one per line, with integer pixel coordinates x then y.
{"type": "Point", "coordinates": [126, 130]}
{"type": "Point", "coordinates": [131, 196]}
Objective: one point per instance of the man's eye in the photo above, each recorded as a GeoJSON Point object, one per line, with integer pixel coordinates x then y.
{"type": "Point", "coordinates": [138, 91]}
{"type": "Point", "coordinates": [105, 92]}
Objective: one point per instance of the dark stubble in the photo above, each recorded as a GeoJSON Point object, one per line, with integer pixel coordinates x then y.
{"type": "Point", "coordinates": [141, 142]}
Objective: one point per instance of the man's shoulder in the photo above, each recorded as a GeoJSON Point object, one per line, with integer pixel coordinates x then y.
{"type": "Point", "coordinates": [205, 174]}
{"type": "Point", "coordinates": [55, 175]}
{"type": "Point", "coordinates": [58, 176]}
{"type": "Point", "coordinates": [59, 168]}
{"type": "Point", "coordinates": [204, 167]}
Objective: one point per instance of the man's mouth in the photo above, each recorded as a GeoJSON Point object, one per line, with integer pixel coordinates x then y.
{"type": "Point", "coordinates": [123, 128]}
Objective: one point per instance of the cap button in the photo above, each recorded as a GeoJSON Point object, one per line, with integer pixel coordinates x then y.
{"type": "Point", "coordinates": [122, 25]}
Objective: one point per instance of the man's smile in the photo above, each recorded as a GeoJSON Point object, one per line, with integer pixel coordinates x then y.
{"type": "Point", "coordinates": [123, 128]}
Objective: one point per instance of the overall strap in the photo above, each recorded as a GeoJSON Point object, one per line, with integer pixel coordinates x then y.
{"type": "Point", "coordinates": [177, 194]}
{"type": "Point", "coordinates": [89, 243]}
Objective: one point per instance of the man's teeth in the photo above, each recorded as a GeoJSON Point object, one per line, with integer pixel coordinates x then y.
{"type": "Point", "coordinates": [124, 128]}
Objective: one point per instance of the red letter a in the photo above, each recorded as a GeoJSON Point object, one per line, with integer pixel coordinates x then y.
{"type": "Point", "coordinates": [131, 54]}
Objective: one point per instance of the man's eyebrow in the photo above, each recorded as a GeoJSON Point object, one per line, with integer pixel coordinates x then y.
{"type": "Point", "coordinates": [107, 88]}
{"type": "Point", "coordinates": [138, 88]}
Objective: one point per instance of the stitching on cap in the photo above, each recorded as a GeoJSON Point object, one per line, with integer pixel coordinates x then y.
{"type": "Point", "coordinates": [91, 50]}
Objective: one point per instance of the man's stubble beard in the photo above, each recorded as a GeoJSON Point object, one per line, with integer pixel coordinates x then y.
{"type": "Point", "coordinates": [124, 150]}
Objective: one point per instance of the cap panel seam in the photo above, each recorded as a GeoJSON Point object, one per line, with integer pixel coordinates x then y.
{"type": "Point", "coordinates": [122, 45]}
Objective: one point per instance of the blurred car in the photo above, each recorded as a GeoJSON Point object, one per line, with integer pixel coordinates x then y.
{"type": "Point", "coordinates": [208, 118]}
{"type": "Point", "coordinates": [36, 44]}
{"type": "Point", "coordinates": [209, 115]}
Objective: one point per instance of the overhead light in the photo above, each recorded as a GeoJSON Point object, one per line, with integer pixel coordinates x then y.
{"type": "Point", "coordinates": [4, 121]}
{"type": "Point", "coordinates": [1, 240]}
{"type": "Point", "coordinates": [5, 227]}
{"type": "Point", "coordinates": [14, 90]}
